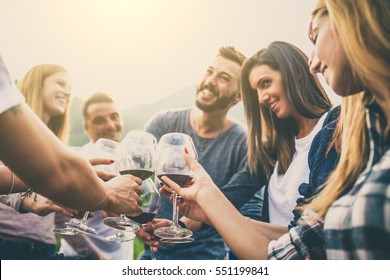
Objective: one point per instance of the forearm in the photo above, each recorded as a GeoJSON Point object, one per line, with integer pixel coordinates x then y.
{"type": "Point", "coordinates": [241, 235]}
{"type": "Point", "coordinates": [10, 183]}
{"type": "Point", "coordinates": [192, 225]}
{"type": "Point", "coordinates": [45, 164]}
{"type": "Point", "coordinates": [242, 186]}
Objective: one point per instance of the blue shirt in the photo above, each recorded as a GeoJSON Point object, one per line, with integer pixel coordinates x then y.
{"type": "Point", "coordinates": [222, 157]}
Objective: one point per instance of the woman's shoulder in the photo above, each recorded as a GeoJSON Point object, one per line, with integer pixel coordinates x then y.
{"type": "Point", "coordinates": [333, 115]}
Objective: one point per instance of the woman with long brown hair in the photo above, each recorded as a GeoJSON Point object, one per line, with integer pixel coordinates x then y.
{"type": "Point", "coordinates": [349, 218]}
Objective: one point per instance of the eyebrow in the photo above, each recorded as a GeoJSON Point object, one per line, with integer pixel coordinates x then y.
{"type": "Point", "coordinates": [220, 73]}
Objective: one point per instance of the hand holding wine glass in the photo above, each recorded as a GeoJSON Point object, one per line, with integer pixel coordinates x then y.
{"type": "Point", "coordinates": [151, 204]}
{"type": "Point", "coordinates": [102, 148]}
{"type": "Point", "coordinates": [202, 182]}
{"type": "Point", "coordinates": [170, 163]}
{"type": "Point", "coordinates": [134, 157]}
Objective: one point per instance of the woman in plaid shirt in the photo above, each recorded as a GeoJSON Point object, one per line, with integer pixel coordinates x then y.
{"type": "Point", "coordinates": [350, 218]}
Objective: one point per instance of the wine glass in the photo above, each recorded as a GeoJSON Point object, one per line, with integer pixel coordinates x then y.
{"type": "Point", "coordinates": [102, 148]}
{"type": "Point", "coordinates": [170, 162]}
{"type": "Point", "coordinates": [135, 157]}
{"type": "Point", "coordinates": [151, 204]}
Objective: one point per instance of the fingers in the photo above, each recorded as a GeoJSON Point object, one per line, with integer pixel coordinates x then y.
{"type": "Point", "coordinates": [63, 211]}
{"type": "Point", "coordinates": [146, 234]}
{"type": "Point", "coordinates": [192, 163]}
{"type": "Point", "coordinates": [104, 175]}
{"type": "Point", "coordinates": [99, 161]}
{"type": "Point", "coordinates": [134, 178]}
{"type": "Point", "coordinates": [124, 192]}
{"type": "Point", "coordinates": [172, 184]}
{"type": "Point", "coordinates": [166, 191]}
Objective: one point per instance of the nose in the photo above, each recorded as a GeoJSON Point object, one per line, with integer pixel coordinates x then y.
{"type": "Point", "coordinates": [111, 124]}
{"type": "Point", "coordinates": [314, 64]}
{"type": "Point", "coordinates": [263, 98]}
{"type": "Point", "coordinates": [210, 80]}
{"type": "Point", "coordinates": [66, 92]}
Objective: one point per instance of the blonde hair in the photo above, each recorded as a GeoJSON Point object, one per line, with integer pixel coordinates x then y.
{"type": "Point", "coordinates": [31, 87]}
{"type": "Point", "coordinates": [351, 135]}
{"type": "Point", "coordinates": [361, 25]}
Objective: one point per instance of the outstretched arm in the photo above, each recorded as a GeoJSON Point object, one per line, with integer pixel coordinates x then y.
{"type": "Point", "coordinates": [239, 233]}
{"type": "Point", "coordinates": [48, 167]}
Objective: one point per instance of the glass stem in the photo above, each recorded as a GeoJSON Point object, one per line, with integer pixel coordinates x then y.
{"type": "Point", "coordinates": [122, 218]}
{"type": "Point", "coordinates": [175, 213]}
{"type": "Point", "coordinates": [85, 217]}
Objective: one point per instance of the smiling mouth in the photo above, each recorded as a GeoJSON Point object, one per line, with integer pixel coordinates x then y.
{"type": "Point", "coordinates": [207, 93]}
{"type": "Point", "coordinates": [273, 104]}
{"type": "Point", "coordinates": [62, 101]}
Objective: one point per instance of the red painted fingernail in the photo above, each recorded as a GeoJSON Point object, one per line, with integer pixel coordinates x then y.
{"type": "Point", "coordinates": [186, 151]}
{"type": "Point", "coordinates": [112, 161]}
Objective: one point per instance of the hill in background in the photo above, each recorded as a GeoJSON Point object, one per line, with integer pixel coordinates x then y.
{"type": "Point", "coordinates": [135, 117]}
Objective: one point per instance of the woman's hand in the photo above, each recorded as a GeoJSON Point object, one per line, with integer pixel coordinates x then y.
{"type": "Point", "coordinates": [101, 174]}
{"type": "Point", "coordinates": [197, 188]}
{"type": "Point", "coordinates": [189, 209]}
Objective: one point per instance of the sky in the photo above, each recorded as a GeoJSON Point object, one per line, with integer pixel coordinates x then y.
{"type": "Point", "coordinates": [140, 51]}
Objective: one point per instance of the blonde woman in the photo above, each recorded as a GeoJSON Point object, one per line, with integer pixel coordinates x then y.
{"type": "Point", "coordinates": [48, 167]}
{"type": "Point", "coordinates": [349, 218]}
{"type": "Point", "coordinates": [46, 88]}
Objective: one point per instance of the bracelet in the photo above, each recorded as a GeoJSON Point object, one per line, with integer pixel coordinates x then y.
{"type": "Point", "coordinates": [12, 182]}
{"type": "Point", "coordinates": [182, 224]}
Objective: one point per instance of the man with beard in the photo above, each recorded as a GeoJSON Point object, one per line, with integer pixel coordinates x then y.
{"type": "Point", "coordinates": [101, 120]}
{"type": "Point", "coordinates": [221, 146]}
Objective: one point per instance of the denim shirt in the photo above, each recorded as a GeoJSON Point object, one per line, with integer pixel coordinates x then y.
{"type": "Point", "coordinates": [356, 225]}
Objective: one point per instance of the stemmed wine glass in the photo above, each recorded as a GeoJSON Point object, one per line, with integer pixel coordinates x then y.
{"type": "Point", "coordinates": [102, 148]}
{"type": "Point", "coordinates": [170, 162]}
{"type": "Point", "coordinates": [151, 204]}
{"type": "Point", "coordinates": [135, 157]}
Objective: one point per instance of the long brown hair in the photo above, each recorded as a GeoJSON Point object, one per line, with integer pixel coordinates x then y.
{"type": "Point", "coordinates": [271, 139]}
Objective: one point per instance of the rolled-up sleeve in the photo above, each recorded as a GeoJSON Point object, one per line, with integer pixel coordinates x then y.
{"type": "Point", "coordinates": [303, 242]}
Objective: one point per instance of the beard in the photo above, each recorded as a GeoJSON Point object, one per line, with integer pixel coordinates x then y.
{"type": "Point", "coordinates": [219, 104]}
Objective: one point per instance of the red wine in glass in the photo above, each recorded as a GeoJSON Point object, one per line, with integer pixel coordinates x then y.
{"type": "Point", "coordinates": [144, 218]}
{"type": "Point", "coordinates": [140, 173]}
{"type": "Point", "coordinates": [179, 179]}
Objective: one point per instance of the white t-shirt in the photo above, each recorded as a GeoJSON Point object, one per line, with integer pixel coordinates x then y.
{"type": "Point", "coordinates": [9, 94]}
{"type": "Point", "coordinates": [283, 189]}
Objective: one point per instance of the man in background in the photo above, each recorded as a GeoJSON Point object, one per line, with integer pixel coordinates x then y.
{"type": "Point", "coordinates": [101, 120]}
{"type": "Point", "coordinates": [221, 146]}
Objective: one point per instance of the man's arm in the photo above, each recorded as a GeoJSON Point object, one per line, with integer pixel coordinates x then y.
{"type": "Point", "coordinates": [46, 165]}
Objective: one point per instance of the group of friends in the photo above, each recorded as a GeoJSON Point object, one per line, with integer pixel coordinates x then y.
{"type": "Point", "coordinates": [303, 179]}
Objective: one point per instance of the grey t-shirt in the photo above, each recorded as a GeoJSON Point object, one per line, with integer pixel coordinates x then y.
{"type": "Point", "coordinates": [222, 157]}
